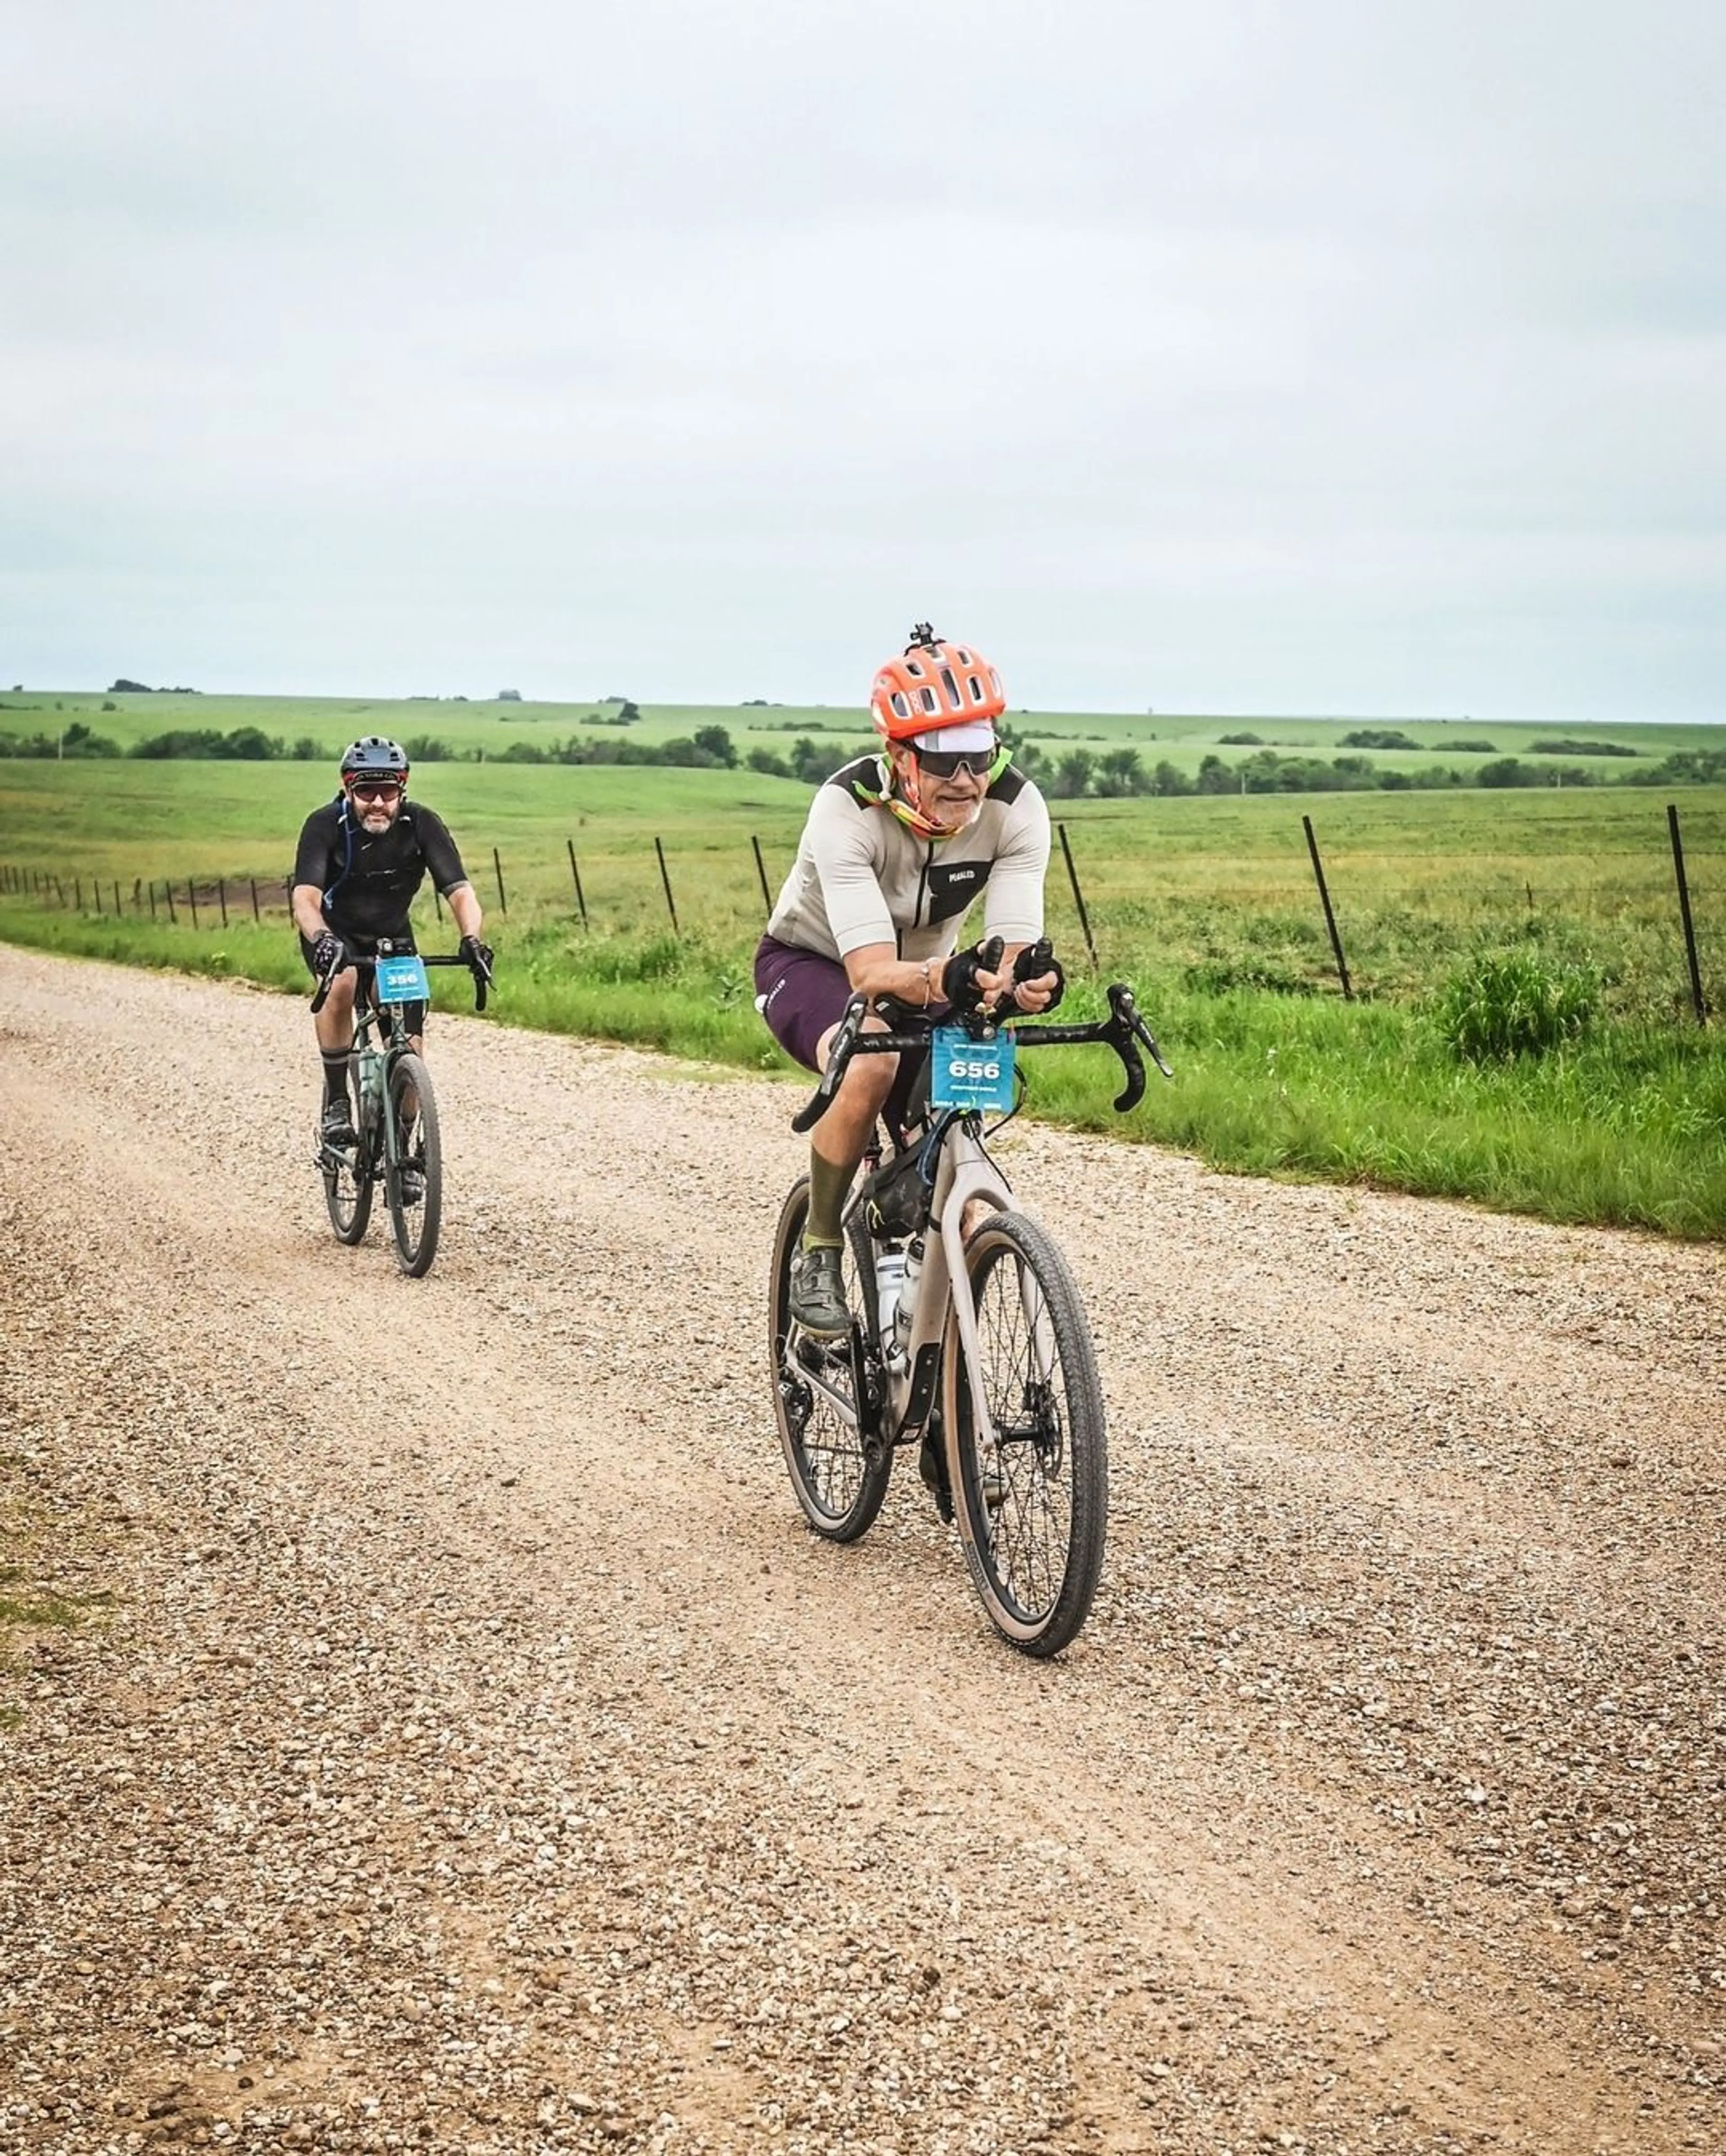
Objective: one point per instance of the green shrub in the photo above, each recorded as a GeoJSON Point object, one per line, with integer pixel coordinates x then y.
{"type": "Point", "coordinates": [1500, 1005]}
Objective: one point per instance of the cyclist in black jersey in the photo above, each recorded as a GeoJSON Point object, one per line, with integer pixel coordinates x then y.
{"type": "Point", "coordinates": [361, 859]}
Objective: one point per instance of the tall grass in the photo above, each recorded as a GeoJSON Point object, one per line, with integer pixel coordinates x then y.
{"type": "Point", "coordinates": [1536, 933]}
{"type": "Point", "coordinates": [1620, 1125]}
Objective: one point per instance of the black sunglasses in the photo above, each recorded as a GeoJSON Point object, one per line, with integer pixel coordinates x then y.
{"type": "Point", "coordinates": [950, 763]}
{"type": "Point", "coordinates": [375, 789]}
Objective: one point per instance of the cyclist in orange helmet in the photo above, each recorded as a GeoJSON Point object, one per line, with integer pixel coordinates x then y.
{"type": "Point", "coordinates": [896, 847]}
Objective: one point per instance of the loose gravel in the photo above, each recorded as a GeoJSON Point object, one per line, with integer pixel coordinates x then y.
{"type": "Point", "coordinates": [426, 1725]}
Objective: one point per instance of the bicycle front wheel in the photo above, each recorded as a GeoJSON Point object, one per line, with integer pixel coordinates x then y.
{"type": "Point", "coordinates": [839, 1487]}
{"type": "Point", "coordinates": [1034, 1517]}
{"type": "Point", "coordinates": [413, 1183]}
{"type": "Point", "coordinates": [347, 1188]}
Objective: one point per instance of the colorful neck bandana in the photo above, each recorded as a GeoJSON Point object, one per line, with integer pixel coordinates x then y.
{"type": "Point", "coordinates": [908, 810]}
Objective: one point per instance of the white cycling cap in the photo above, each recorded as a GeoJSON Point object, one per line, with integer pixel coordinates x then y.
{"type": "Point", "coordinates": [976, 735]}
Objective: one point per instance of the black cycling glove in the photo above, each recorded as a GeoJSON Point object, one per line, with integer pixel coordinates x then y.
{"type": "Point", "coordinates": [959, 976]}
{"type": "Point", "coordinates": [329, 955]}
{"type": "Point", "coordinates": [478, 955]}
{"type": "Point", "coordinates": [1033, 962]}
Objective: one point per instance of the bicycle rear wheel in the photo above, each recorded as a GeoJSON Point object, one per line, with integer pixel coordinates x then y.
{"type": "Point", "coordinates": [839, 1487]}
{"type": "Point", "coordinates": [414, 1185]}
{"type": "Point", "coordinates": [1033, 1520]}
{"type": "Point", "coordinates": [348, 1187]}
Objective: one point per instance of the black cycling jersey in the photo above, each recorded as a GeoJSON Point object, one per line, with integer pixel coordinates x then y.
{"type": "Point", "coordinates": [368, 883]}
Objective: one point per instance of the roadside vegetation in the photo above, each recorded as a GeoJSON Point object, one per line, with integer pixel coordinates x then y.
{"type": "Point", "coordinates": [1521, 1032]}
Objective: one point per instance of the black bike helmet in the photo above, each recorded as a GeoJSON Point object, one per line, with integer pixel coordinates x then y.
{"type": "Point", "coordinates": [373, 758]}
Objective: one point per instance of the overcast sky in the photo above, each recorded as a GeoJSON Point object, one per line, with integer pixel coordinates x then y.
{"type": "Point", "coordinates": [1364, 356]}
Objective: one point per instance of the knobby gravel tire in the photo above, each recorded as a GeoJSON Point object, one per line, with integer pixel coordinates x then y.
{"type": "Point", "coordinates": [348, 1191]}
{"type": "Point", "coordinates": [415, 1226]}
{"type": "Point", "coordinates": [1034, 1555]}
{"type": "Point", "coordinates": [838, 1487]}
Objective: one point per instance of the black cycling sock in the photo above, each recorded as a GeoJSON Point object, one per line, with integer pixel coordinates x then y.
{"type": "Point", "coordinates": [336, 1062]}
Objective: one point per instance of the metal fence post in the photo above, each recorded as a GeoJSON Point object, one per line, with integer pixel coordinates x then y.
{"type": "Point", "coordinates": [581, 898]}
{"type": "Point", "coordinates": [665, 878]}
{"type": "Point", "coordinates": [1696, 996]}
{"type": "Point", "coordinates": [1078, 898]}
{"type": "Point", "coordinates": [1336, 941]}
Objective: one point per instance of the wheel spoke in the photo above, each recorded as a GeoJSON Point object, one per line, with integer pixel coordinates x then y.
{"type": "Point", "coordinates": [414, 1185]}
{"type": "Point", "coordinates": [1036, 1508]}
{"type": "Point", "coordinates": [838, 1486]}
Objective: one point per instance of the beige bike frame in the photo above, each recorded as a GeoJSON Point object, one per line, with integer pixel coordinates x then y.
{"type": "Point", "coordinates": [945, 1306]}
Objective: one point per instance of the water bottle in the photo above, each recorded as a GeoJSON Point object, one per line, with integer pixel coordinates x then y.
{"type": "Point", "coordinates": [910, 1273]}
{"type": "Point", "coordinates": [368, 1085]}
{"type": "Point", "coordinates": [889, 1274]}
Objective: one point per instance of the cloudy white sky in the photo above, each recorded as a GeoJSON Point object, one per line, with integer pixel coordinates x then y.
{"type": "Point", "coordinates": [1365, 357]}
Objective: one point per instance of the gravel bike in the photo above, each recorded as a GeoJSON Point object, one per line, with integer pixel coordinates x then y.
{"type": "Point", "coordinates": [396, 1124]}
{"type": "Point", "coordinates": [967, 1337]}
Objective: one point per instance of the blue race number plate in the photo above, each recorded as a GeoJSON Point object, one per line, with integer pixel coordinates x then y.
{"type": "Point", "coordinates": [401, 981]}
{"type": "Point", "coordinates": [964, 1073]}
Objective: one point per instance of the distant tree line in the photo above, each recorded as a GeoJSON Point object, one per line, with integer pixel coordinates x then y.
{"type": "Point", "coordinates": [708, 748]}
{"type": "Point", "coordinates": [1063, 774]}
{"type": "Point", "coordinates": [246, 744]}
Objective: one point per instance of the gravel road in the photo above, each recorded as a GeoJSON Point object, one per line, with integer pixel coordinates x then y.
{"type": "Point", "coordinates": [464, 1746]}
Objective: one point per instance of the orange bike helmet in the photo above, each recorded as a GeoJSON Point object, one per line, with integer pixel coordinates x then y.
{"type": "Point", "coordinates": [933, 683]}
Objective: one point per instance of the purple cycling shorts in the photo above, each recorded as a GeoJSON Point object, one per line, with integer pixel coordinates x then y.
{"type": "Point", "coordinates": [801, 995]}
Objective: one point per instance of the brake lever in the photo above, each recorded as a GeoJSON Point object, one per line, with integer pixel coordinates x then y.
{"type": "Point", "coordinates": [1127, 1031]}
{"type": "Point", "coordinates": [1146, 1038]}
{"type": "Point", "coordinates": [1155, 1053]}
{"type": "Point", "coordinates": [816, 1106]}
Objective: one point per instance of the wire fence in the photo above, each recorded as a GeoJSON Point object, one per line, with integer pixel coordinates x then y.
{"type": "Point", "coordinates": [204, 903]}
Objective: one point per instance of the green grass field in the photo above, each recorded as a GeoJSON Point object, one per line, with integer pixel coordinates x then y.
{"type": "Point", "coordinates": [1184, 738]}
{"type": "Point", "coordinates": [1208, 904]}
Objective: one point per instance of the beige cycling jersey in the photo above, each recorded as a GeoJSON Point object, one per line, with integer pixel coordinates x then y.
{"type": "Point", "coordinates": [862, 876]}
